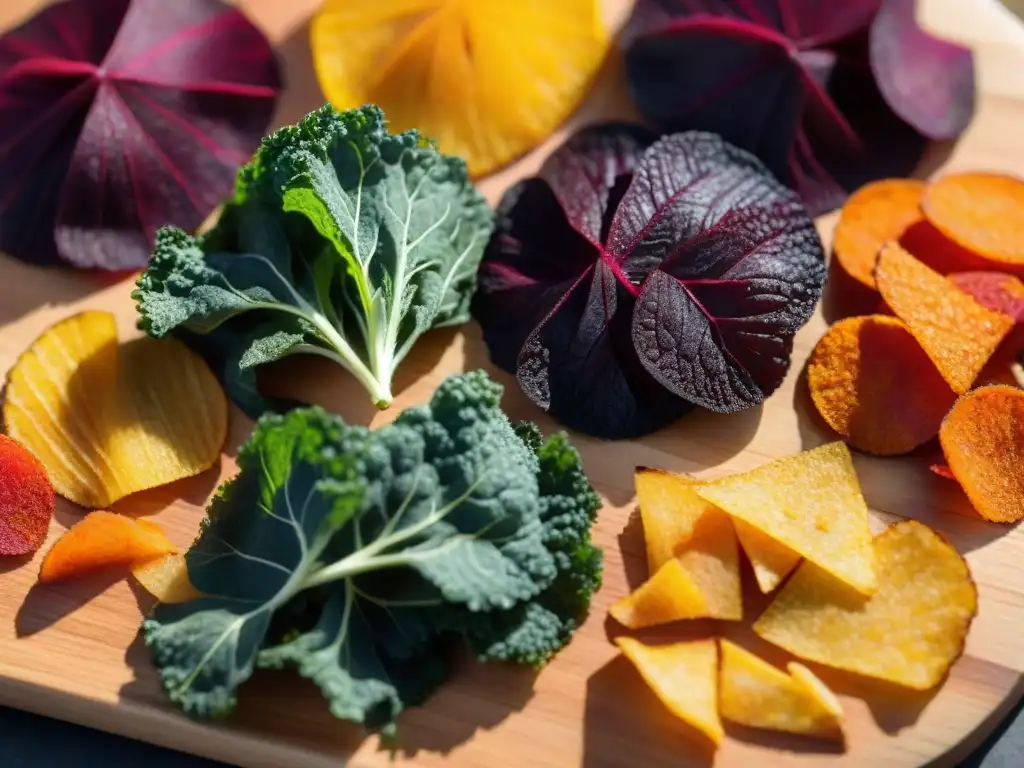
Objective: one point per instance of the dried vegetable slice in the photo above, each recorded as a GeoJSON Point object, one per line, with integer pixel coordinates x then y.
{"type": "Point", "coordinates": [957, 333]}
{"type": "Point", "coordinates": [102, 540]}
{"type": "Point", "coordinates": [816, 688]}
{"type": "Point", "coordinates": [488, 80]}
{"type": "Point", "coordinates": [982, 212]}
{"type": "Point", "coordinates": [982, 438]}
{"type": "Point", "coordinates": [684, 676]}
{"type": "Point", "coordinates": [752, 692]}
{"type": "Point", "coordinates": [771, 560]}
{"type": "Point", "coordinates": [872, 216]}
{"type": "Point", "coordinates": [997, 291]}
{"type": "Point", "coordinates": [107, 420]}
{"type": "Point", "coordinates": [874, 385]}
{"type": "Point", "coordinates": [909, 632]}
{"type": "Point", "coordinates": [680, 525]}
{"type": "Point", "coordinates": [669, 595]}
{"type": "Point", "coordinates": [811, 503]}
{"type": "Point", "coordinates": [166, 578]}
{"type": "Point", "coordinates": [26, 500]}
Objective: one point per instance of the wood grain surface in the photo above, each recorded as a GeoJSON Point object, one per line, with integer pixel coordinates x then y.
{"type": "Point", "coordinates": [72, 651]}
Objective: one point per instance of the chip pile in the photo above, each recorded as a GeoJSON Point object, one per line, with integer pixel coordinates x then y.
{"type": "Point", "coordinates": [896, 606]}
{"type": "Point", "coordinates": [944, 259]}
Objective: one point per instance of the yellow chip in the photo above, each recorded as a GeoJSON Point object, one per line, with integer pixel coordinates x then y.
{"type": "Point", "coordinates": [909, 632]}
{"type": "Point", "coordinates": [771, 560]}
{"type": "Point", "coordinates": [679, 524]}
{"type": "Point", "coordinates": [752, 692]}
{"type": "Point", "coordinates": [684, 676]}
{"type": "Point", "coordinates": [669, 595]}
{"type": "Point", "coordinates": [801, 675]}
{"type": "Point", "coordinates": [166, 579]}
{"type": "Point", "coordinates": [810, 503]}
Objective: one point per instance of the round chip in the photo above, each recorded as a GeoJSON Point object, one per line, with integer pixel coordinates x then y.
{"type": "Point", "coordinates": [874, 385]}
{"type": "Point", "coordinates": [983, 212]}
{"type": "Point", "coordinates": [983, 440]}
{"type": "Point", "coordinates": [26, 500]}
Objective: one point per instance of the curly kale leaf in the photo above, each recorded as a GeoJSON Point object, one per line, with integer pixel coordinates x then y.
{"type": "Point", "coordinates": [342, 240]}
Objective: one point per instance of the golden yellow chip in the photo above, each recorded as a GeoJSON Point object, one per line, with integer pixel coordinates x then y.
{"type": "Point", "coordinates": [166, 579]}
{"type": "Point", "coordinates": [109, 419]}
{"type": "Point", "coordinates": [909, 632]}
{"type": "Point", "coordinates": [669, 595]}
{"type": "Point", "coordinates": [771, 560]}
{"type": "Point", "coordinates": [801, 675]}
{"type": "Point", "coordinates": [810, 503]}
{"type": "Point", "coordinates": [679, 524]}
{"type": "Point", "coordinates": [752, 692]}
{"type": "Point", "coordinates": [684, 676]}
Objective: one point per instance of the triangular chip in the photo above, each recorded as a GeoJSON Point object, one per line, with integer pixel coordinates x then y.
{"type": "Point", "coordinates": [669, 595]}
{"type": "Point", "coordinates": [801, 675]}
{"type": "Point", "coordinates": [811, 503]}
{"type": "Point", "coordinates": [684, 676]}
{"type": "Point", "coordinates": [957, 333]}
{"type": "Point", "coordinates": [166, 578]}
{"type": "Point", "coordinates": [771, 560]}
{"type": "Point", "coordinates": [752, 692]}
{"type": "Point", "coordinates": [909, 632]}
{"type": "Point", "coordinates": [679, 524]}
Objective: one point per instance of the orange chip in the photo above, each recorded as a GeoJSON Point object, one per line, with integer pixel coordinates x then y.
{"type": "Point", "coordinates": [109, 419]}
{"type": "Point", "coordinates": [874, 385]}
{"type": "Point", "coordinates": [101, 540]}
{"type": "Point", "coordinates": [166, 578]}
{"type": "Point", "coordinates": [872, 216]}
{"type": "Point", "coordinates": [956, 332]}
{"type": "Point", "coordinates": [982, 212]}
{"type": "Point", "coordinates": [983, 440]}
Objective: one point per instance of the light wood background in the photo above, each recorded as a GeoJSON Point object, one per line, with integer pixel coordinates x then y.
{"type": "Point", "coordinates": [72, 652]}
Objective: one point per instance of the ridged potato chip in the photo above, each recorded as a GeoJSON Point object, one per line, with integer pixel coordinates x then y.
{"type": "Point", "coordinates": [811, 503]}
{"type": "Point", "coordinates": [752, 692]}
{"type": "Point", "coordinates": [102, 540]}
{"type": "Point", "coordinates": [909, 632]}
{"type": "Point", "coordinates": [108, 419]}
{"type": "Point", "coordinates": [166, 578]}
{"type": "Point", "coordinates": [684, 676]}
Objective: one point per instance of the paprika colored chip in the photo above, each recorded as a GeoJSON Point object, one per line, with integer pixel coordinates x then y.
{"type": "Point", "coordinates": [909, 632]}
{"type": "Point", "coordinates": [669, 595]}
{"type": "Point", "coordinates": [166, 578]}
{"type": "Point", "coordinates": [956, 332]}
{"type": "Point", "coordinates": [982, 212]}
{"type": "Point", "coordinates": [109, 419]}
{"type": "Point", "coordinates": [684, 676]}
{"type": "Point", "coordinates": [771, 560]}
{"type": "Point", "coordinates": [874, 385]}
{"type": "Point", "coordinates": [872, 216]}
{"type": "Point", "coordinates": [982, 438]}
{"type": "Point", "coordinates": [26, 500]}
{"type": "Point", "coordinates": [811, 503]}
{"type": "Point", "coordinates": [993, 290]}
{"type": "Point", "coordinates": [753, 693]}
{"type": "Point", "coordinates": [102, 540]}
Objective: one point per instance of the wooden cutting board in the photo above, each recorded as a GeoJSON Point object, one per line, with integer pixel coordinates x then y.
{"type": "Point", "coordinates": [72, 651]}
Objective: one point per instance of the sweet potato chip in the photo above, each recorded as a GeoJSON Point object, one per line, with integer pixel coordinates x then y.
{"type": "Point", "coordinates": [983, 441]}
{"type": "Point", "coordinates": [909, 632]}
{"type": "Point", "coordinates": [669, 595]}
{"type": "Point", "coordinates": [684, 676]}
{"type": "Point", "coordinates": [810, 503]}
{"type": "Point", "coordinates": [993, 290]}
{"type": "Point", "coordinates": [679, 524]}
{"type": "Point", "coordinates": [872, 216]}
{"type": "Point", "coordinates": [26, 500]}
{"type": "Point", "coordinates": [982, 212]}
{"type": "Point", "coordinates": [874, 385]}
{"type": "Point", "coordinates": [771, 560]}
{"type": "Point", "coordinates": [107, 420]}
{"type": "Point", "coordinates": [166, 578]}
{"type": "Point", "coordinates": [752, 692]}
{"type": "Point", "coordinates": [955, 331]}
{"type": "Point", "coordinates": [101, 540]}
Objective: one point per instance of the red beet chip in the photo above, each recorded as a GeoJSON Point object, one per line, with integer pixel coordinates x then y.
{"type": "Point", "coordinates": [26, 500]}
{"type": "Point", "coordinates": [829, 95]}
{"type": "Point", "coordinates": [120, 116]}
{"type": "Point", "coordinates": [994, 290]}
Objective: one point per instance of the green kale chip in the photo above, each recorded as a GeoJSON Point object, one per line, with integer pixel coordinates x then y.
{"type": "Point", "coordinates": [357, 557]}
{"type": "Point", "coordinates": [342, 240]}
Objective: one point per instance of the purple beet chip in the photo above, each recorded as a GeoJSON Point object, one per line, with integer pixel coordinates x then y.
{"type": "Point", "coordinates": [120, 116]}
